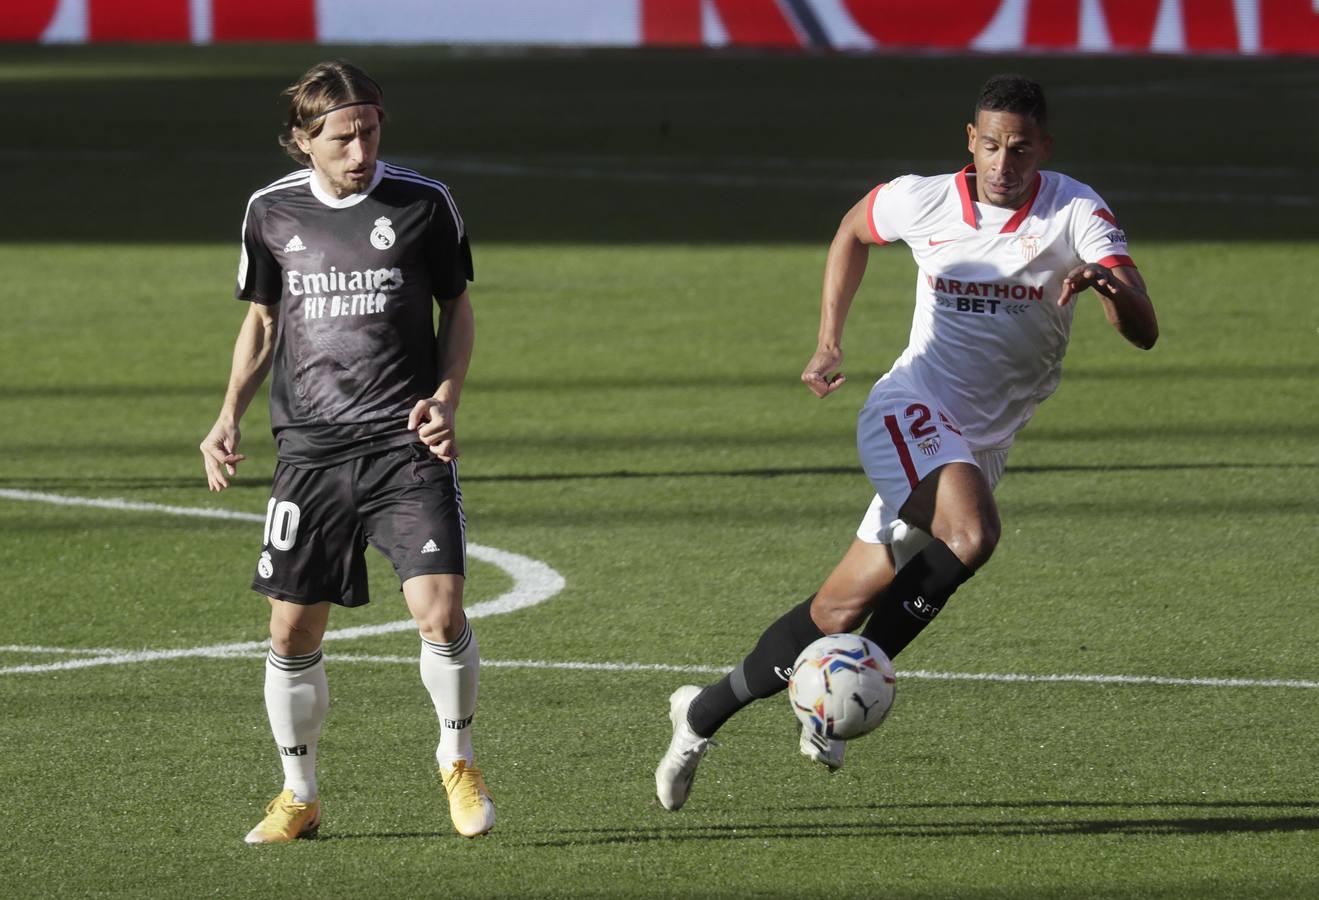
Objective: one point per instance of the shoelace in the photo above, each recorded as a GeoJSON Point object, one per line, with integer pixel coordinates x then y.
{"type": "Point", "coordinates": [466, 790]}
{"type": "Point", "coordinates": [697, 750]}
{"type": "Point", "coordinates": [286, 810]}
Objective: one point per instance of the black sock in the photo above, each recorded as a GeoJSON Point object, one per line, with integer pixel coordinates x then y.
{"type": "Point", "coordinates": [763, 673]}
{"type": "Point", "coordinates": [914, 598]}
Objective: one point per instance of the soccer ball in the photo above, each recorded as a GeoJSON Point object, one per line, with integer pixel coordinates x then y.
{"type": "Point", "coordinates": [841, 687]}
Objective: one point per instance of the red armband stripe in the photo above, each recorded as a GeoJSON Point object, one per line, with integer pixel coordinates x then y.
{"type": "Point", "coordinates": [1111, 261]}
{"type": "Point", "coordinates": [870, 216]}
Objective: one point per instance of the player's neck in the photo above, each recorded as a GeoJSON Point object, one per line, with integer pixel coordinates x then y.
{"type": "Point", "coordinates": [339, 196]}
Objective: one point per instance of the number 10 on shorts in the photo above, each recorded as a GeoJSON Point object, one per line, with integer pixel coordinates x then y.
{"type": "Point", "coordinates": [281, 524]}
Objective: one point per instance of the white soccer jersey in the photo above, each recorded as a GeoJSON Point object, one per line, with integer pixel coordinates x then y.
{"type": "Point", "coordinates": [988, 336]}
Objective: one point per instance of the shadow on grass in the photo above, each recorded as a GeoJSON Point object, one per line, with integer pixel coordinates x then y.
{"type": "Point", "coordinates": [855, 471]}
{"type": "Point", "coordinates": [559, 382]}
{"type": "Point", "coordinates": [98, 483]}
{"type": "Point", "coordinates": [125, 483]}
{"type": "Point", "coordinates": [388, 835]}
{"type": "Point", "coordinates": [1132, 824]}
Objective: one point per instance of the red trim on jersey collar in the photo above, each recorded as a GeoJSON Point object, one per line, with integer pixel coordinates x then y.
{"type": "Point", "coordinates": [963, 181]}
{"type": "Point", "coordinates": [1020, 215]}
{"type": "Point", "coordinates": [964, 191]}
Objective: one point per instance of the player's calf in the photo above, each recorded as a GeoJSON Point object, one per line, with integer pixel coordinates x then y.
{"type": "Point", "coordinates": [763, 673]}
{"type": "Point", "coordinates": [917, 594]}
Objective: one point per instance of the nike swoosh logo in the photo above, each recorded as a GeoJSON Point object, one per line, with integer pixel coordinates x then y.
{"type": "Point", "coordinates": [934, 243]}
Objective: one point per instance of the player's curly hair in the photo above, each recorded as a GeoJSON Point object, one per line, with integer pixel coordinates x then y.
{"type": "Point", "coordinates": [324, 87]}
{"type": "Point", "coordinates": [1013, 94]}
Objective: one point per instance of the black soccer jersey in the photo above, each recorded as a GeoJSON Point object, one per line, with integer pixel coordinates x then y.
{"type": "Point", "coordinates": [354, 278]}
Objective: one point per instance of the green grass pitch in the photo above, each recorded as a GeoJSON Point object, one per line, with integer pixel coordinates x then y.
{"type": "Point", "coordinates": [649, 232]}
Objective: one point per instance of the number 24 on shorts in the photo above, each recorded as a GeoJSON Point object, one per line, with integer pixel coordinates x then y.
{"type": "Point", "coordinates": [920, 427]}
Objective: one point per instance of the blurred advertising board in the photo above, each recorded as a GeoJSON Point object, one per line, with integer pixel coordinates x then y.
{"type": "Point", "coordinates": [1090, 26]}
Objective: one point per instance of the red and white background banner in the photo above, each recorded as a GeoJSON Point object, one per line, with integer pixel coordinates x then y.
{"type": "Point", "coordinates": [1100, 26]}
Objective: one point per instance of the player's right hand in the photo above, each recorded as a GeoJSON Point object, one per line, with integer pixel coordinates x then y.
{"type": "Point", "coordinates": [821, 374]}
{"type": "Point", "coordinates": [220, 454]}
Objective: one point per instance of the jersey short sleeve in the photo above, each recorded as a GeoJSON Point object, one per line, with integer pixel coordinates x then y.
{"type": "Point", "coordinates": [259, 278]}
{"type": "Point", "coordinates": [891, 208]}
{"type": "Point", "coordinates": [1096, 234]}
{"type": "Point", "coordinates": [448, 253]}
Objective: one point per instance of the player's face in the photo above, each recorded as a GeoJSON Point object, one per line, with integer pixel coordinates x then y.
{"type": "Point", "coordinates": [1008, 149]}
{"type": "Point", "coordinates": [344, 153]}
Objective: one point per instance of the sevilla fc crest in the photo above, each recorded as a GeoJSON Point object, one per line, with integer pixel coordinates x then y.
{"type": "Point", "coordinates": [1029, 244]}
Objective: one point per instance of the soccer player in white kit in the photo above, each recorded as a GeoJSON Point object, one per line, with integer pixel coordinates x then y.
{"type": "Point", "coordinates": [1002, 250]}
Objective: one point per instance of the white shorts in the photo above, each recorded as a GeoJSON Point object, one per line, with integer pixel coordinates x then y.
{"type": "Point", "coordinates": [902, 435]}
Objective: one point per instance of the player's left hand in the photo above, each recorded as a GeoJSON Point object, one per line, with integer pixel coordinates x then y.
{"type": "Point", "coordinates": [821, 374]}
{"type": "Point", "coordinates": [433, 420]}
{"type": "Point", "coordinates": [1087, 275]}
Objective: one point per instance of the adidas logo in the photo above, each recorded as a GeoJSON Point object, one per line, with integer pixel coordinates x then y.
{"type": "Point", "coordinates": [430, 547]}
{"type": "Point", "coordinates": [294, 245]}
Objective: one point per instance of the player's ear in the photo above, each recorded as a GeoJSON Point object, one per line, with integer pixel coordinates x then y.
{"type": "Point", "coordinates": [303, 140]}
{"type": "Point", "coordinates": [970, 138]}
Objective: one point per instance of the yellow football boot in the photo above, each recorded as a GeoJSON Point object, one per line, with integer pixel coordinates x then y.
{"type": "Point", "coordinates": [286, 821]}
{"type": "Point", "coordinates": [470, 805]}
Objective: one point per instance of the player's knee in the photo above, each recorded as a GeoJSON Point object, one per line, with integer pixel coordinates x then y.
{"type": "Point", "coordinates": [442, 626]}
{"type": "Point", "coordinates": [442, 619]}
{"type": "Point", "coordinates": [292, 639]}
{"type": "Point", "coordinates": [836, 615]}
{"type": "Point", "coordinates": [436, 603]}
{"type": "Point", "coordinates": [974, 541]}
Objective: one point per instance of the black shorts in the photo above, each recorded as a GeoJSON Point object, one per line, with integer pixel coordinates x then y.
{"type": "Point", "coordinates": [405, 502]}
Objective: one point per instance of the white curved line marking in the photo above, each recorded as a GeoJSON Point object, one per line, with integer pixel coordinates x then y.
{"type": "Point", "coordinates": [533, 582]}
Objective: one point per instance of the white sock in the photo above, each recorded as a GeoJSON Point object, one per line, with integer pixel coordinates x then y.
{"type": "Point", "coordinates": [297, 696]}
{"type": "Point", "coordinates": [450, 672]}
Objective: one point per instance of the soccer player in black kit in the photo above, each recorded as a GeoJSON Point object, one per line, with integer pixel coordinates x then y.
{"type": "Point", "coordinates": [340, 264]}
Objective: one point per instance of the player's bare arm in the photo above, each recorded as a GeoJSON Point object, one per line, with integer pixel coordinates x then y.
{"type": "Point", "coordinates": [253, 351]}
{"type": "Point", "coordinates": [433, 418]}
{"type": "Point", "coordinates": [843, 270]}
{"type": "Point", "coordinates": [1125, 299]}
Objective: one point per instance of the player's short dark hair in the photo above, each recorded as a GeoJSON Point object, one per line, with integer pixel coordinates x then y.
{"type": "Point", "coordinates": [1014, 94]}
{"type": "Point", "coordinates": [324, 87]}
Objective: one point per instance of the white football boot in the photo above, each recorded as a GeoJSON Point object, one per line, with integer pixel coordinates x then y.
{"type": "Point", "coordinates": [821, 749]}
{"type": "Point", "coordinates": [677, 769]}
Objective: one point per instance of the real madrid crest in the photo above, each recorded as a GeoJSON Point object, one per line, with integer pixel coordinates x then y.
{"type": "Point", "coordinates": [382, 236]}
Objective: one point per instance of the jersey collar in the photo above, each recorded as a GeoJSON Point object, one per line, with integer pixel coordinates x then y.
{"type": "Point", "coordinates": [962, 179]}
{"type": "Point", "coordinates": [352, 199]}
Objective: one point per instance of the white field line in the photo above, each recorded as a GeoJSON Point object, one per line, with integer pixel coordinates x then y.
{"type": "Point", "coordinates": [913, 675]}
{"type": "Point", "coordinates": [257, 650]}
{"type": "Point", "coordinates": [533, 582]}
